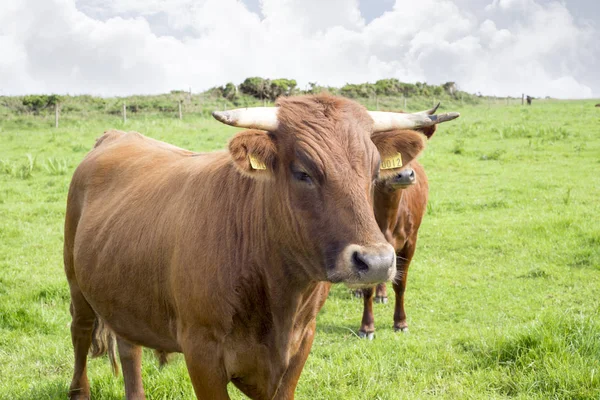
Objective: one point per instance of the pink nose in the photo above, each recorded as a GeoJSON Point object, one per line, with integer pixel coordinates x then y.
{"type": "Point", "coordinates": [374, 264]}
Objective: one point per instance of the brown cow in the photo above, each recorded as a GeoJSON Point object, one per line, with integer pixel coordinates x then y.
{"type": "Point", "coordinates": [400, 201]}
{"type": "Point", "coordinates": [228, 256]}
{"type": "Point", "coordinates": [399, 206]}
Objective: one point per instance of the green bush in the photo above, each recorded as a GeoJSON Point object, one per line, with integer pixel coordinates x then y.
{"type": "Point", "coordinates": [38, 102]}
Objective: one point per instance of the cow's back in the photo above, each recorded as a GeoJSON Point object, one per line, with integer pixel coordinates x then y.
{"type": "Point", "coordinates": [125, 217]}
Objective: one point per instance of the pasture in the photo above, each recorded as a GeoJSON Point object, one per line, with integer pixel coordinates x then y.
{"type": "Point", "coordinates": [503, 297]}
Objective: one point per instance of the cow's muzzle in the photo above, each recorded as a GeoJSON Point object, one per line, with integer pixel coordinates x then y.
{"type": "Point", "coordinates": [403, 179]}
{"type": "Point", "coordinates": [360, 266]}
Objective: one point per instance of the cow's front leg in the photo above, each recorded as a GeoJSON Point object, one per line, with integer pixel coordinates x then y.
{"type": "Point", "coordinates": [205, 366]}
{"type": "Point", "coordinates": [400, 324]}
{"type": "Point", "coordinates": [367, 326]}
{"type": "Point", "coordinates": [288, 384]}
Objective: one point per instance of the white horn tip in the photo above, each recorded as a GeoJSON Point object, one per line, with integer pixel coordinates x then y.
{"type": "Point", "coordinates": [437, 119]}
{"type": "Point", "coordinates": [222, 116]}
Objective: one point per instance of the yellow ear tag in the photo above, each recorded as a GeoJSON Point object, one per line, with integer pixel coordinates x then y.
{"type": "Point", "coordinates": [392, 162]}
{"type": "Point", "coordinates": [256, 163]}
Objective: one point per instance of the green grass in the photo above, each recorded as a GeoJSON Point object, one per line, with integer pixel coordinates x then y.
{"type": "Point", "coordinates": [503, 297]}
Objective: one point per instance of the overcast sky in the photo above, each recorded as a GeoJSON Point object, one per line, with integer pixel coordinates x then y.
{"type": "Point", "coordinates": [121, 47]}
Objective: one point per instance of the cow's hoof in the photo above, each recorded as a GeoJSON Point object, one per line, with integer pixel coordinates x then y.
{"type": "Point", "coordinates": [403, 329]}
{"type": "Point", "coordinates": [381, 299]}
{"type": "Point", "coordinates": [358, 293]}
{"type": "Point", "coordinates": [366, 335]}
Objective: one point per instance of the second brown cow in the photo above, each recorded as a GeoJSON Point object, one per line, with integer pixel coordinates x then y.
{"type": "Point", "coordinates": [399, 204]}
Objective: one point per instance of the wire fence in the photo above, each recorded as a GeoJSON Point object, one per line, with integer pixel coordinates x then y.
{"type": "Point", "coordinates": [183, 105]}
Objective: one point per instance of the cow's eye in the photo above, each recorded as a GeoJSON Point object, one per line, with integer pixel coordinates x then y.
{"type": "Point", "coordinates": [302, 177]}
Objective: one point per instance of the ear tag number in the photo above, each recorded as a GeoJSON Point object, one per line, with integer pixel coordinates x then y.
{"type": "Point", "coordinates": [392, 162]}
{"type": "Point", "coordinates": [255, 163]}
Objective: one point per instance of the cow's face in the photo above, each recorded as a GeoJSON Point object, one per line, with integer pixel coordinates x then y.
{"type": "Point", "coordinates": [323, 164]}
{"type": "Point", "coordinates": [398, 179]}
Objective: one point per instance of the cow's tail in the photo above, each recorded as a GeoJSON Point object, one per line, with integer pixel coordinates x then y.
{"type": "Point", "coordinates": [104, 342]}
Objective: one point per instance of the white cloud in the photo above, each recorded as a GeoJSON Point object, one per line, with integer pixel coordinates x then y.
{"type": "Point", "coordinates": [117, 47]}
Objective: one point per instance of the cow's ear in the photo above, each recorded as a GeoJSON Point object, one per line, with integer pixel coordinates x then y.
{"type": "Point", "coordinates": [428, 131]}
{"type": "Point", "coordinates": [397, 149]}
{"type": "Point", "coordinates": [254, 153]}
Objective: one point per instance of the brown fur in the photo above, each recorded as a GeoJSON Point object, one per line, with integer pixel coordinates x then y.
{"type": "Point", "coordinates": [185, 252]}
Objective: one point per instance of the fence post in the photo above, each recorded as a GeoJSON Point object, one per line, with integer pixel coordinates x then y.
{"type": "Point", "coordinates": [56, 115]}
{"type": "Point", "coordinates": [180, 114]}
{"type": "Point", "coordinates": [404, 104]}
{"type": "Point", "coordinates": [124, 112]}
{"type": "Point", "coordinates": [522, 98]}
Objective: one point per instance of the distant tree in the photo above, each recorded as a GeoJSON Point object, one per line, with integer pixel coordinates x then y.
{"type": "Point", "coordinates": [256, 87]}
{"type": "Point", "coordinates": [450, 88]}
{"type": "Point", "coordinates": [312, 87]}
{"type": "Point", "coordinates": [354, 90]}
{"type": "Point", "coordinates": [268, 89]}
{"type": "Point", "coordinates": [281, 87]}
{"type": "Point", "coordinates": [37, 102]}
{"type": "Point", "coordinates": [230, 91]}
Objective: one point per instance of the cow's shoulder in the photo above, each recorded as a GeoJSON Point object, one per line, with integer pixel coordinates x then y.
{"type": "Point", "coordinates": [117, 137]}
{"type": "Point", "coordinates": [110, 136]}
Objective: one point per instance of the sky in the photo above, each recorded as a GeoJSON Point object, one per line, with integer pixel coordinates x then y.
{"type": "Point", "coordinates": [122, 47]}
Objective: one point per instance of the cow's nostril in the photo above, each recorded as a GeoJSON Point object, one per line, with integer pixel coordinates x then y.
{"type": "Point", "coordinates": [412, 174]}
{"type": "Point", "coordinates": [359, 262]}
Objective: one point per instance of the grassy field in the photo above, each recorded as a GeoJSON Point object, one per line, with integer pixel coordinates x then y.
{"type": "Point", "coordinates": [503, 298]}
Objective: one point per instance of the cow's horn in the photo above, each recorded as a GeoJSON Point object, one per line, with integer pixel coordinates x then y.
{"type": "Point", "coordinates": [264, 118]}
{"type": "Point", "coordinates": [385, 121]}
{"type": "Point", "coordinates": [431, 111]}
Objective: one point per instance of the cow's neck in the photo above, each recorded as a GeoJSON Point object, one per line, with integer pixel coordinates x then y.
{"type": "Point", "coordinates": [277, 300]}
{"type": "Point", "coordinates": [288, 306]}
{"type": "Point", "coordinates": [387, 203]}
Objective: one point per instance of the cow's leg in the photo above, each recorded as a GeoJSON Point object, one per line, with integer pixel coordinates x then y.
{"type": "Point", "coordinates": [131, 363]}
{"type": "Point", "coordinates": [82, 324]}
{"type": "Point", "coordinates": [381, 293]}
{"type": "Point", "coordinates": [205, 368]}
{"type": "Point", "coordinates": [367, 326]}
{"type": "Point", "coordinates": [404, 259]}
{"type": "Point", "coordinates": [290, 379]}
